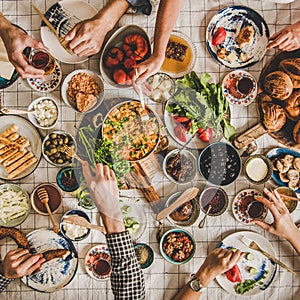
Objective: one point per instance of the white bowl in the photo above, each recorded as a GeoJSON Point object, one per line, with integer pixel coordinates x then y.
{"type": "Point", "coordinates": [93, 75]}
{"type": "Point", "coordinates": [117, 40]}
{"type": "Point", "coordinates": [32, 118]}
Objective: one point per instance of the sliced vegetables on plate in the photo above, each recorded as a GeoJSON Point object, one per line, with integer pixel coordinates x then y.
{"type": "Point", "coordinates": [198, 106]}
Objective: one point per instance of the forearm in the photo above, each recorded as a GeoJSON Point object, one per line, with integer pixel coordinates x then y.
{"type": "Point", "coordinates": [167, 15]}
{"type": "Point", "coordinates": [112, 12]}
{"type": "Point", "coordinates": [294, 240]}
{"type": "Point", "coordinates": [127, 280]}
{"type": "Point", "coordinates": [4, 25]}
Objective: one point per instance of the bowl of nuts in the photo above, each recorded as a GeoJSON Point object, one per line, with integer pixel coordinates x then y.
{"type": "Point", "coordinates": [83, 90]}
{"type": "Point", "coordinates": [54, 145]}
{"type": "Point", "coordinates": [177, 246]}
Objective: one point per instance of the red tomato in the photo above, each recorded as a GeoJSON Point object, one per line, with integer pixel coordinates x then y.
{"type": "Point", "coordinates": [200, 130]}
{"type": "Point", "coordinates": [180, 132]}
{"type": "Point", "coordinates": [120, 76]}
{"type": "Point", "coordinates": [205, 135]}
{"type": "Point", "coordinates": [181, 119]}
{"type": "Point", "coordinates": [187, 125]}
{"type": "Point", "coordinates": [219, 36]}
{"type": "Point", "coordinates": [135, 46]}
{"type": "Point", "coordinates": [113, 57]}
{"type": "Point", "coordinates": [129, 63]}
{"type": "Point", "coordinates": [234, 274]}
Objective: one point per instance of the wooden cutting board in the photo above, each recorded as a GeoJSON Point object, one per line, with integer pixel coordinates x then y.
{"type": "Point", "coordinates": [285, 134]}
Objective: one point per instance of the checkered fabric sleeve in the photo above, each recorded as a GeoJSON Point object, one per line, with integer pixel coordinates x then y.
{"type": "Point", "coordinates": [141, 6]}
{"type": "Point", "coordinates": [127, 278]}
{"type": "Point", "coordinates": [4, 282]}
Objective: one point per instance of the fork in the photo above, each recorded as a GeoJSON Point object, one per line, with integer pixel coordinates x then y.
{"type": "Point", "coordinates": [138, 89]}
{"type": "Point", "coordinates": [70, 152]}
{"type": "Point", "coordinates": [254, 246]}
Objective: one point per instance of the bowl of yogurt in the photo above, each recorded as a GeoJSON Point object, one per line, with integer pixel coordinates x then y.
{"type": "Point", "coordinates": [258, 169]}
{"type": "Point", "coordinates": [71, 231]}
{"type": "Point", "coordinates": [43, 112]}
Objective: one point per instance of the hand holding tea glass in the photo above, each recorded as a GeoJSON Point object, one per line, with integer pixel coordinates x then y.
{"type": "Point", "coordinates": [42, 60]}
{"type": "Point", "coordinates": [15, 41]}
{"type": "Point", "coordinates": [283, 225]}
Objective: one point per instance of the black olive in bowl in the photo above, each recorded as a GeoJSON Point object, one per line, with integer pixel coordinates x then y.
{"type": "Point", "coordinates": [219, 163]}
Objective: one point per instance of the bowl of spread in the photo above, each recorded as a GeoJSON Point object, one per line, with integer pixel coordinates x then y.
{"type": "Point", "coordinates": [184, 215]}
{"type": "Point", "coordinates": [66, 179]}
{"type": "Point", "coordinates": [72, 231]}
{"type": "Point", "coordinates": [285, 191]}
{"type": "Point", "coordinates": [216, 198]}
{"type": "Point", "coordinates": [55, 199]}
{"type": "Point", "coordinates": [258, 169]}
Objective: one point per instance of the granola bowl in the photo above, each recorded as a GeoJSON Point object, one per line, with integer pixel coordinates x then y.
{"type": "Point", "coordinates": [83, 90]}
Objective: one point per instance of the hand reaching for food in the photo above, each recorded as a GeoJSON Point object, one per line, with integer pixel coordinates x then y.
{"type": "Point", "coordinates": [19, 262]}
{"type": "Point", "coordinates": [104, 190]}
{"type": "Point", "coordinates": [287, 39]}
{"type": "Point", "coordinates": [283, 225]}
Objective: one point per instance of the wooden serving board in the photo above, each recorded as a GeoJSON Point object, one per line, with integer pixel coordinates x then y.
{"type": "Point", "coordinates": [285, 134]}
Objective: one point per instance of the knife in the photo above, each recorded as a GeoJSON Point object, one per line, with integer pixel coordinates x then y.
{"type": "Point", "coordinates": [62, 41]}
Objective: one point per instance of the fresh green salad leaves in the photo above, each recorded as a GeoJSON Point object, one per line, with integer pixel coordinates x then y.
{"type": "Point", "coordinates": [202, 102]}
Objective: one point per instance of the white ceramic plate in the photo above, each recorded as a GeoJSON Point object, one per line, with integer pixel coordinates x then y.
{"type": "Point", "coordinates": [138, 213]}
{"type": "Point", "coordinates": [16, 221]}
{"type": "Point", "coordinates": [27, 130]}
{"type": "Point", "coordinates": [239, 207]}
{"type": "Point", "coordinates": [195, 143]}
{"type": "Point", "coordinates": [233, 19]}
{"type": "Point", "coordinates": [63, 15]}
{"type": "Point", "coordinates": [260, 262]}
{"type": "Point", "coordinates": [56, 273]}
{"type": "Point", "coordinates": [229, 86]}
{"type": "Point", "coordinates": [49, 84]}
{"type": "Point", "coordinates": [95, 253]}
{"type": "Point", "coordinates": [93, 75]}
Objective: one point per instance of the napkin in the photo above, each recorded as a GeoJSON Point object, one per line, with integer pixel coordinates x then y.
{"type": "Point", "coordinates": [6, 68]}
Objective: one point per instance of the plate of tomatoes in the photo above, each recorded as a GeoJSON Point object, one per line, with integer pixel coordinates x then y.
{"type": "Point", "coordinates": [254, 273]}
{"type": "Point", "coordinates": [127, 47]}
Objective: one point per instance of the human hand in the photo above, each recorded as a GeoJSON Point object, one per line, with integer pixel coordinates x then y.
{"type": "Point", "coordinates": [148, 68]}
{"type": "Point", "coordinates": [19, 262]}
{"type": "Point", "coordinates": [87, 36]}
{"type": "Point", "coordinates": [217, 262]}
{"type": "Point", "coordinates": [15, 41]}
{"type": "Point", "coordinates": [283, 224]}
{"type": "Point", "coordinates": [287, 39]}
{"type": "Point", "coordinates": [104, 190]}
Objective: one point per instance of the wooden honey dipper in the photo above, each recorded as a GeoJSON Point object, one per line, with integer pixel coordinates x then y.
{"type": "Point", "coordinates": [44, 198]}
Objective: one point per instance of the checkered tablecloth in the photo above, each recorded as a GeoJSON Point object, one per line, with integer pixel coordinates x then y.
{"type": "Point", "coordinates": [162, 279]}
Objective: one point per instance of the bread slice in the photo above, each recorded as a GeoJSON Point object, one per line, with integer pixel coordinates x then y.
{"type": "Point", "coordinates": [245, 36]}
{"type": "Point", "coordinates": [85, 101]}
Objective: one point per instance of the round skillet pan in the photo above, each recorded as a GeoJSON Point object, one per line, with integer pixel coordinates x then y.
{"type": "Point", "coordinates": [285, 134]}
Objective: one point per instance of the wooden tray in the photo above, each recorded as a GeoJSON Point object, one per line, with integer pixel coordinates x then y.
{"type": "Point", "coordinates": [285, 134]}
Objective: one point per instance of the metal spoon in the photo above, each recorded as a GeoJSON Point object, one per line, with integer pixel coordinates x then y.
{"type": "Point", "coordinates": [202, 222]}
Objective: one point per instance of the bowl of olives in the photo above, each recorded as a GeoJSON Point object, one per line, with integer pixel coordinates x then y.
{"type": "Point", "coordinates": [54, 147]}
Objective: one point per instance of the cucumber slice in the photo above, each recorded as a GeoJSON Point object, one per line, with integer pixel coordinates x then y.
{"type": "Point", "coordinates": [249, 256]}
{"type": "Point", "coordinates": [253, 271]}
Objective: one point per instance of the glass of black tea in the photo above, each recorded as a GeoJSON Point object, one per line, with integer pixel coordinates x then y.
{"type": "Point", "coordinates": [41, 59]}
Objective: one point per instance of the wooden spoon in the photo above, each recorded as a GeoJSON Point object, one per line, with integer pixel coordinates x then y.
{"type": "Point", "coordinates": [202, 222]}
{"type": "Point", "coordinates": [81, 221]}
{"type": "Point", "coordinates": [44, 198]}
{"type": "Point", "coordinates": [183, 198]}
